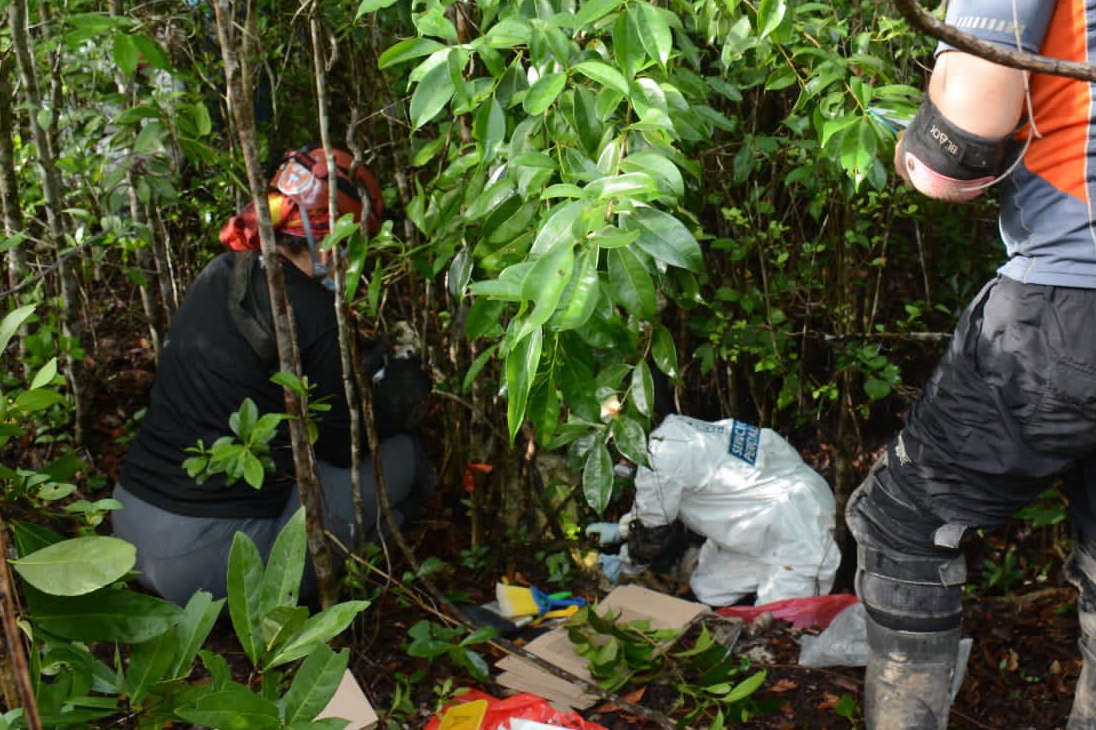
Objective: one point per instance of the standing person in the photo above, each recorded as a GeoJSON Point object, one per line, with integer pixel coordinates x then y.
{"type": "Point", "coordinates": [1011, 407]}
{"type": "Point", "coordinates": [220, 349]}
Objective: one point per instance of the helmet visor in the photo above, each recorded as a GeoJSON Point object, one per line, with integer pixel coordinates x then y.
{"type": "Point", "coordinates": [298, 182]}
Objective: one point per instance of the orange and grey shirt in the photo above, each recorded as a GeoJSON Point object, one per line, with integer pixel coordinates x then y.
{"type": "Point", "coordinates": [1047, 219]}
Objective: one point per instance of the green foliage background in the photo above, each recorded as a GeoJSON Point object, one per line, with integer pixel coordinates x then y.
{"type": "Point", "coordinates": [606, 209]}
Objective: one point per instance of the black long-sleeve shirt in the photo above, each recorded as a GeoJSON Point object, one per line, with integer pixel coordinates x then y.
{"type": "Point", "coordinates": [206, 370]}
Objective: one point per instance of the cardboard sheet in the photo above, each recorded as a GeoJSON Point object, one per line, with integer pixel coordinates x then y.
{"type": "Point", "coordinates": [350, 704]}
{"type": "Point", "coordinates": [629, 603]}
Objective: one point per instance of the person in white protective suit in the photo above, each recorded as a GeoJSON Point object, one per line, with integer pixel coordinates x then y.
{"type": "Point", "coordinates": [767, 516]}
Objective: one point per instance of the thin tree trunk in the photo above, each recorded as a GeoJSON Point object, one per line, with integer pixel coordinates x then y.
{"type": "Point", "coordinates": [54, 204]}
{"type": "Point", "coordinates": [9, 187]}
{"type": "Point", "coordinates": [14, 651]}
{"type": "Point", "coordinates": [347, 348]}
{"type": "Point", "coordinates": [137, 213]}
{"type": "Point", "coordinates": [236, 50]}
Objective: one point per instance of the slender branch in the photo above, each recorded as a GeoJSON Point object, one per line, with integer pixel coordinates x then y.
{"type": "Point", "coordinates": [920, 19]}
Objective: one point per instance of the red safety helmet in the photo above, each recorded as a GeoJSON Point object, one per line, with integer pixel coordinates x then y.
{"type": "Point", "coordinates": [303, 177]}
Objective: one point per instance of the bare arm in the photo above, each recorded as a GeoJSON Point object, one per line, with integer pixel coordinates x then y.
{"type": "Point", "coordinates": [977, 96]}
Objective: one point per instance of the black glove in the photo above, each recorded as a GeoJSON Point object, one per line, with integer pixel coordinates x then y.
{"type": "Point", "coordinates": [656, 547]}
{"type": "Point", "coordinates": [401, 398]}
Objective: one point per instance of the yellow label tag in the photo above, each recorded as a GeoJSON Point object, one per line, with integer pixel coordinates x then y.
{"type": "Point", "coordinates": [466, 716]}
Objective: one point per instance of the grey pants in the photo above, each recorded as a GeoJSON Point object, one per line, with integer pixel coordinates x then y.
{"type": "Point", "coordinates": [178, 555]}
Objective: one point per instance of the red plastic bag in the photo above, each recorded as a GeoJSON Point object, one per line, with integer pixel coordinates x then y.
{"type": "Point", "coordinates": [803, 613]}
{"type": "Point", "coordinates": [526, 706]}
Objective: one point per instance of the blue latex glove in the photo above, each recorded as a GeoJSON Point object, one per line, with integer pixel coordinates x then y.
{"type": "Point", "coordinates": [610, 566]}
{"type": "Point", "coordinates": [607, 532]}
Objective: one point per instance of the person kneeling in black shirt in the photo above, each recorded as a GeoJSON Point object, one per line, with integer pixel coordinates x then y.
{"type": "Point", "coordinates": [219, 351]}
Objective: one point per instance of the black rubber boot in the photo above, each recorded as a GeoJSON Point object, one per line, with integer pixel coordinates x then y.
{"type": "Point", "coordinates": [1083, 714]}
{"type": "Point", "coordinates": [907, 685]}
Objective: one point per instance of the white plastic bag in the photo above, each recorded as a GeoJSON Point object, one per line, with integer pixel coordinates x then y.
{"type": "Point", "coordinates": [768, 517]}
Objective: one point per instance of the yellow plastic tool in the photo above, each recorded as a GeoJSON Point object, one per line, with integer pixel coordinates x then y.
{"type": "Point", "coordinates": [465, 716]}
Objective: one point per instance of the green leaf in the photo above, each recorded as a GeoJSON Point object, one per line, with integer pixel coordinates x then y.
{"type": "Point", "coordinates": [664, 351]}
{"type": "Point", "coordinates": [314, 684]}
{"type": "Point", "coordinates": [541, 94]}
{"type": "Point", "coordinates": [125, 53]}
{"type": "Point", "coordinates": [662, 169]}
{"type": "Point", "coordinates": [408, 49]}
{"type": "Point", "coordinates": [30, 537]}
{"type": "Point", "coordinates": [245, 585]}
{"type": "Point", "coordinates": [45, 375]}
{"type": "Point", "coordinates": [490, 126]}
{"type": "Point", "coordinates": [579, 299]}
{"type": "Point", "coordinates": [631, 283]}
{"type": "Point", "coordinates": [643, 389]}
{"type": "Point", "coordinates": [665, 238]}
{"type": "Point", "coordinates": [371, 6]}
{"type": "Point", "coordinates": [431, 95]}
{"type": "Point", "coordinates": [320, 628]}
{"type": "Point", "coordinates": [77, 566]}
{"type": "Point", "coordinates": [628, 46]}
{"type": "Point", "coordinates": [654, 33]}
{"type": "Point", "coordinates": [104, 615]}
{"type": "Point", "coordinates": [285, 566]}
{"type": "Point", "coordinates": [39, 399]}
{"type": "Point", "coordinates": [151, 51]}
{"type": "Point", "coordinates": [148, 664]}
{"type": "Point", "coordinates": [745, 688]}
{"type": "Point", "coordinates": [12, 322]}
{"type": "Point", "coordinates": [199, 616]}
{"type": "Point", "coordinates": [597, 477]}
{"type": "Point", "coordinates": [769, 15]}
{"type": "Point", "coordinates": [148, 139]}
{"type": "Point", "coordinates": [595, 10]}
{"type": "Point", "coordinates": [630, 439]}
{"type": "Point", "coordinates": [604, 74]}
{"type": "Point", "coordinates": [521, 369]}
{"type": "Point", "coordinates": [876, 388]}
{"type": "Point", "coordinates": [234, 708]}
{"type": "Point", "coordinates": [558, 229]}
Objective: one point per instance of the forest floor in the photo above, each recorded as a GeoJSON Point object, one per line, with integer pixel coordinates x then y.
{"type": "Point", "coordinates": [1019, 612]}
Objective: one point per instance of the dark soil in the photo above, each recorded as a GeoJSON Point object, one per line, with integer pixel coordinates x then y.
{"type": "Point", "coordinates": [1023, 621]}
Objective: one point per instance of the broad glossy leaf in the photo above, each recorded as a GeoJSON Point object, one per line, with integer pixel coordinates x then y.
{"type": "Point", "coordinates": [628, 46]}
{"type": "Point", "coordinates": [200, 614]}
{"type": "Point", "coordinates": [631, 283]}
{"type": "Point", "coordinates": [490, 126]}
{"type": "Point", "coordinates": [595, 10]}
{"type": "Point", "coordinates": [630, 185]}
{"type": "Point", "coordinates": [12, 322]}
{"type": "Point", "coordinates": [104, 615]}
{"type": "Point", "coordinates": [149, 663]}
{"type": "Point", "coordinates": [490, 199]}
{"type": "Point", "coordinates": [654, 32]}
{"type": "Point", "coordinates": [407, 50]}
{"type": "Point", "coordinates": [642, 391]}
{"type": "Point", "coordinates": [665, 238]}
{"type": "Point", "coordinates": [604, 74]}
{"type": "Point", "coordinates": [521, 369]}
{"type": "Point", "coordinates": [661, 168]}
{"type": "Point", "coordinates": [630, 439]}
{"type": "Point", "coordinates": [769, 15]}
{"type": "Point", "coordinates": [597, 477]}
{"type": "Point", "coordinates": [664, 351]}
{"type": "Point", "coordinates": [77, 566]}
{"type": "Point", "coordinates": [125, 53]}
{"type": "Point", "coordinates": [371, 6]}
{"type": "Point", "coordinates": [546, 282]}
{"type": "Point", "coordinates": [319, 629]}
{"type": "Point", "coordinates": [234, 708]}
{"type": "Point", "coordinates": [431, 95]}
{"type": "Point", "coordinates": [285, 566]}
{"type": "Point", "coordinates": [314, 684]}
{"type": "Point", "coordinates": [580, 297]}
{"type": "Point", "coordinates": [558, 229]}
{"type": "Point", "coordinates": [541, 94]}
{"type": "Point", "coordinates": [245, 584]}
